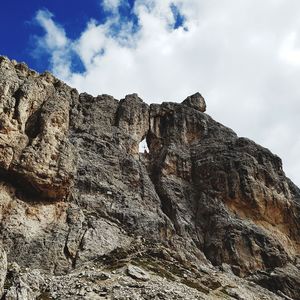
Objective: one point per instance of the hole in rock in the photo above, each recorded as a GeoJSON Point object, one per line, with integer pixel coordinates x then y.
{"type": "Point", "coordinates": [33, 125]}
{"type": "Point", "coordinates": [143, 147]}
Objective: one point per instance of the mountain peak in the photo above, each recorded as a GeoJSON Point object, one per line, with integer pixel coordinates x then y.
{"type": "Point", "coordinates": [204, 214]}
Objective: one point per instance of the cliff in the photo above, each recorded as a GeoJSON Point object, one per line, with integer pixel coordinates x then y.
{"type": "Point", "coordinates": [83, 215]}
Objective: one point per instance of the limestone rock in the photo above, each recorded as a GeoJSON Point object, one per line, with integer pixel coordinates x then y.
{"type": "Point", "coordinates": [208, 214]}
{"type": "Point", "coordinates": [3, 269]}
{"type": "Point", "coordinates": [195, 101]}
{"type": "Point", "coordinates": [22, 286]}
{"type": "Point", "coordinates": [133, 119]}
{"type": "Point", "coordinates": [137, 273]}
{"type": "Point", "coordinates": [34, 123]}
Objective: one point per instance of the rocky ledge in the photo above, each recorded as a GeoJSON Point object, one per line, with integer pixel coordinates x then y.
{"type": "Point", "coordinates": [204, 214]}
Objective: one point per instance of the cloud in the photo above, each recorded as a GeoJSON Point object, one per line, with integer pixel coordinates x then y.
{"type": "Point", "coordinates": [289, 51]}
{"type": "Point", "coordinates": [55, 43]}
{"type": "Point", "coordinates": [111, 5]}
{"type": "Point", "coordinates": [243, 56]}
{"type": "Point", "coordinates": [55, 35]}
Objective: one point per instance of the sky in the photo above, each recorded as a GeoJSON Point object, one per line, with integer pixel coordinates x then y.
{"type": "Point", "coordinates": [243, 56]}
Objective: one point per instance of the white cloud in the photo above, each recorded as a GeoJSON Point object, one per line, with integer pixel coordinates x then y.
{"type": "Point", "coordinates": [55, 42]}
{"type": "Point", "coordinates": [55, 35]}
{"type": "Point", "coordinates": [111, 5]}
{"type": "Point", "coordinates": [243, 56]}
{"type": "Point", "coordinates": [91, 42]}
{"type": "Point", "coordinates": [289, 52]}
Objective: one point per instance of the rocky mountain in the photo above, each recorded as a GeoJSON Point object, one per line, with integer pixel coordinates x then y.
{"type": "Point", "coordinates": [204, 214]}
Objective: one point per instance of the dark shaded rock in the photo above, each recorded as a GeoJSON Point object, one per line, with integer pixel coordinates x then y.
{"type": "Point", "coordinates": [286, 280]}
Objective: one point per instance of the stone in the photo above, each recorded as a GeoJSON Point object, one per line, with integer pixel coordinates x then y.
{"type": "Point", "coordinates": [208, 214]}
{"type": "Point", "coordinates": [3, 269]}
{"type": "Point", "coordinates": [34, 114]}
{"type": "Point", "coordinates": [133, 120]}
{"type": "Point", "coordinates": [137, 273]}
{"type": "Point", "coordinates": [195, 101]}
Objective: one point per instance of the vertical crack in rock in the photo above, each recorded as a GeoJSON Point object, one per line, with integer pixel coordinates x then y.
{"type": "Point", "coordinates": [17, 95]}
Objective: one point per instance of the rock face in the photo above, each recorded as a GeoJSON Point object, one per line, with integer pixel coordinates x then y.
{"type": "Point", "coordinates": [83, 215]}
{"type": "Point", "coordinates": [34, 124]}
{"type": "Point", "coordinates": [3, 269]}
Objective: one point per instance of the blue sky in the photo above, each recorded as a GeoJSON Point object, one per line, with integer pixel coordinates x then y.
{"type": "Point", "coordinates": [18, 27]}
{"type": "Point", "coordinates": [243, 56]}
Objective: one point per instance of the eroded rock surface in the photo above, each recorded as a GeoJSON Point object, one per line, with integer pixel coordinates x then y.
{"type": "Point", "coordinates": [3, 269]}
{"type": "Point", "coordinates": [34, 124]}
{"type": "Point", "coordinates": [204, 215]}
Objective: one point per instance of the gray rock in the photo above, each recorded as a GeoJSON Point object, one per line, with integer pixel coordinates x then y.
{"type": "Point", "coordinates": [78, 200]}
{"type": "Point", "coordinates": [195, 101]}
{"type": "Point", "coordinates": [34, 114]}
{"type": "Point", "coordinates": [137, 273]}
{"type": "Point", "coordinates": [3, 269]}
